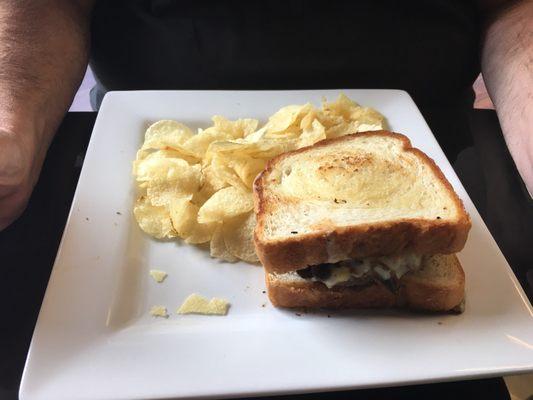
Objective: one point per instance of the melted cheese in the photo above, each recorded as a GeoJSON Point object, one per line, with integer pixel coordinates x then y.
{"type": "Point", "coordinates": [384, 267]}
{"type": "Point", "coordinates": [400, 265]}
{"type": "Point", "coordinates": [338, 275]}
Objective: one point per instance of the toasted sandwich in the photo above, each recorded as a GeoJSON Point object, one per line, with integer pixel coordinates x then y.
{"type": "Point", "coordinates": [360, 221]}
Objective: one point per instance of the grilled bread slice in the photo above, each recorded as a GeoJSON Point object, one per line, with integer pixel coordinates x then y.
{"type": "Point", "coordinates": [438, 286]}
{"type": "Point", "coordinates": [357, 196]}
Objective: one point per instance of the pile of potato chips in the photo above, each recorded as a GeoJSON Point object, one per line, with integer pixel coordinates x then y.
{"type": "Point", "coordinates": [198, 187]}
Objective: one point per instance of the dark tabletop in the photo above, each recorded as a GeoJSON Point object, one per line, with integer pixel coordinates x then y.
{"type": "Point", "coordinates": [28, 247]}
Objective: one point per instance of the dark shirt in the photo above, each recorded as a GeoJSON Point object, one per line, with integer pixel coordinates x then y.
{"type": "Point", "coordinates": [428, 48]}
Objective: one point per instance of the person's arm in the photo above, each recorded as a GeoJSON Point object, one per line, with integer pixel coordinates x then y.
{"type": "Point", "coordinates": [43, 55]}
{"type": "Point", "coordinates": [507, 67]}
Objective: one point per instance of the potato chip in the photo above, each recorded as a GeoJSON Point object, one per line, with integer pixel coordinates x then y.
{"type": "Point", "coordinates": [201, 234]}
{"type": "Point", "coordinates": [344, 116]}
{"type": "Point", "coordinates": [153, 220]}
{"type": "Point", "coordinates": [329, 120]}
{"type": "Point", "coordinates": [314, 133]}
{"type": "Point", "coordinates": [218, 247]}
{"type": "Point", "coordinates": [369, 120]}
{"type": "Point", "coordinates": [174, 153]}
{"type": "Point", "coordinates": [166, 133]}
{"type": "Point", "coordinates": [168, 153]}
{"type": "Point", "coordinates": [159, 311]}
{"type": "Point", "coordinates": [370, 127]}
{"type": "Point", "coordinates": [227, 147]}
{"type": "Point", "coordinates": [211, 183]}
{"type": "Point", "coordinates": [222, 130]}
{"type": "Point", "coordinates": [235, 129]}
{"type": "Point", "coordinates": [153, 167]}
{"type": "Point", "coordinates": [342, 129]}
{"type": "Point", "coordinates": [239, 237]}
{"type": "Point", "coordinates": [142, 154]}
{"type": "Point", "coordinates": [257, 135]}
{"type": "Point", "coordinates": [222, 172]}
{"type": "Point", "coordinates": [158, 275]}
{"type": "Point", "coordinates": [175, 181]}
{"type": "Point", "coordinates": [270, 148]}
{"type": "Point", "coordinates": [308, 119]}
{"type": "Point", "coordinates": [292, 132]}
{"type": "Point", "coordinates": [183, 214]}
{"type": "Point", "coordinates": [196, 304]}
{"type": "Point", "coordinates": [343, 107]}
{"type": "Point", "coordinates": [287, 116]}
{"type": "Point", "coordinates": [264, 148]}
{"type": "Point", "coordinates": [230, 148]}
{"type": "Point", "coordinates": [257, 148]}
{"type": "Point", "coordinates": [224, 204]}
{"type": "Point", "coordinates": [161, 192]}
{"type": "Point", "coordinates": [212, 180]}
{"type": "Point", "coordinates": [198, 144]}
{"type": "Point", "coordinates": [247, 168]}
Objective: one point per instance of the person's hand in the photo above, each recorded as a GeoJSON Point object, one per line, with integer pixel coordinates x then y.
{"type": "Point", "coordinates": [20, 162]}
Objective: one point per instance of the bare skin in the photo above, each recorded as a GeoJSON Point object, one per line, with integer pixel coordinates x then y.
{"type": "Point", "coordinates": [507, 66]}
{"type": "Point", "coordinates": [44, 51]}
{"type": "Point", "coordinates": [44, 48]}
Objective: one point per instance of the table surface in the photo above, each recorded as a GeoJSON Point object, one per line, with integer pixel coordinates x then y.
{"type": "Point", "coordinates": [28, 247]}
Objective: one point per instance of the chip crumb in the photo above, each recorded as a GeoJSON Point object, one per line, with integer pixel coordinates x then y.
{"type": "Point", "coordinates": [196, 304]}
{"type": "Point", "coordinates": [159, 276]}
{"type": "Point", "coordinates": [159, 311]}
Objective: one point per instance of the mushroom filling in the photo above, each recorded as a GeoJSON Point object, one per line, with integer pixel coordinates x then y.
{"type": "Point", "coordinates": [362, 272]}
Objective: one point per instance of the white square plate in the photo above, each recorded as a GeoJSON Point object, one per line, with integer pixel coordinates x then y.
{"type": "Point", "coordinates": [94, 338]}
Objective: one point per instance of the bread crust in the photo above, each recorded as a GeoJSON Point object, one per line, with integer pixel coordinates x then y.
{"type": "Point", "coordinates": [423, 294]}
{"type": "Point", "coordinates": [413, 293]}
{"type": "Point", "coordinates": [360, 241]}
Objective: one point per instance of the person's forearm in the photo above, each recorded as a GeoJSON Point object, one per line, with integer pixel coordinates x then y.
{"type": "Point", "coordinates": [507, 66]}
{"type": "Point", "coordinates": [43, 55]}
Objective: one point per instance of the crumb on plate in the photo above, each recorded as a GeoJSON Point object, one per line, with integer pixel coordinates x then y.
{"type": "Point", "coordinates": [159, 276]}
{"type": "Point", "coordinates": [196, 304]}
{"type": "Point", "coordinates": [159, 311]}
